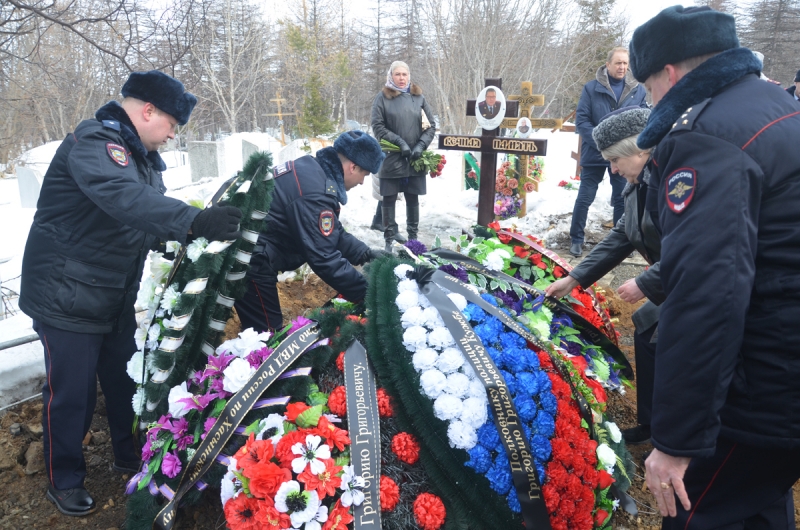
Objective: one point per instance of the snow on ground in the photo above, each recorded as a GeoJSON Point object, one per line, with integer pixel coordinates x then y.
{"type": "Point", "coordinates": [446, 210]}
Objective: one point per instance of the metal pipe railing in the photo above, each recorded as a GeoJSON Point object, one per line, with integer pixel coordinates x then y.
{"type": "Point", "coordinates": [18, 341]}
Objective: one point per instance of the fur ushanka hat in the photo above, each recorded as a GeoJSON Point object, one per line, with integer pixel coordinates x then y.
{"type": "Point", "coordinates": [163, 91]}
{"type": "Point", "coordinates": [360, 148]}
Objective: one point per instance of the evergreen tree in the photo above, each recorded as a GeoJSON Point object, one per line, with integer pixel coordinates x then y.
{"type": "Point", "coordinates": [314, 119]}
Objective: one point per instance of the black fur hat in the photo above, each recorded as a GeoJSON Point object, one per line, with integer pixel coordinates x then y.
{"type": "Point", "coordinates": [677, 34]}
{"type": "Point", "coordinates": [360, 148]}
{"type": "Point", "coordinates": [163, 91]}
{"type": "Point", "coordinates": [797, 77]}
{"type": "Point", "coordinates": [618, 125]}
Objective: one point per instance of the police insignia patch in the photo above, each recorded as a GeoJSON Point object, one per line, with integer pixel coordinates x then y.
{"type": "Point", "coordinates": [281, 169]}
{"type": "Point", "coordinates": [117, 154]}
{"type": "Point", "coordinates": [326, 222]}
{"type": "Point", "coordinates": [681, 185]}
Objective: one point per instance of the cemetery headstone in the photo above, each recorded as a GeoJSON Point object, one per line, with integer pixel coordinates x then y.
{"type": "Point", "coordinates": [30, 183]}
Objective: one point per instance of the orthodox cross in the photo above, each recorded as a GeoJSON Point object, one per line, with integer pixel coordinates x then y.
{"type": "Point", "coordinates": [489, 145]}
{"type": "Point", "coordinates": [279, 100]}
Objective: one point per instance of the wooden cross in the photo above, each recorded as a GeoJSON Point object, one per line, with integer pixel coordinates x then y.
{"type": "Point", "coordinates": [489, 145]}
{"type": "Point", "coordinates": [279, 100]}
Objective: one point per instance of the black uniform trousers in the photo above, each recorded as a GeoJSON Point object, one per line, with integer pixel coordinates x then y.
{"type": "Point", "coordinates": [645, 352]}
{"type": "Point", "coordinates": [260, 307]}
{"type": "Point", "coordinates": [740, 487]}
{"type": "Point", "coordinates": [74, 362]}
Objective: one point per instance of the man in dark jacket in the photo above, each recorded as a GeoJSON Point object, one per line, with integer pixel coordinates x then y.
{"type": "Point", "coordinates": [613, 88]}
{"type": "Point", "coordinates": [726, 422]}
{"type": "Point", "coordinates": [489, 107]}
{"type": "Point", "coordinates": [100, 211]}
{"type": "Point", "coordinates": [303, 227]}
{"type": "Point", "coordinates": [794, 90]}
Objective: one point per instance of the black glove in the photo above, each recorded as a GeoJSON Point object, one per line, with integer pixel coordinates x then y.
{"type": "Point", "coordinates": [404, 149]}
{"type": "Point", "coordinates": [218, 223]}
{"type": "Point", "coordinates": [372, 254]}
{"type": "Point", "coordinates": [417, 152]}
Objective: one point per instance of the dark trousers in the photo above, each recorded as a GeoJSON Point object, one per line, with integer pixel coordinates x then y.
{"type": "Point", "coordinates": [74, 362]}
{"type": "Point", "coordinates": [260, 307]}
{"type": "Point", "coordinates": [591, 177]}
{"type": "Point", "coordinates": [740, 487]}
{"type": "Point", "coordinates": [645, 374]}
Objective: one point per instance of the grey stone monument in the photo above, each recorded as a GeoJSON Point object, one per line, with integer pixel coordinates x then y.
{"type": "Point", "coordinates": [29, 182]}
{"type": "Point", "coordinates": [248, 150]}
{"type": "Point", "coordinates": [206, 160]}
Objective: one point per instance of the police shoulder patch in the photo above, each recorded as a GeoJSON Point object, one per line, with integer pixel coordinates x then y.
{"type": "Point", "coordinates": [326, 222]}
{"type": "Point", "coordinates": [680, 188]}
{"type": "Point", "coordinates": [117, 153]}
{"type": "Point", "coordinates": [282, 169]}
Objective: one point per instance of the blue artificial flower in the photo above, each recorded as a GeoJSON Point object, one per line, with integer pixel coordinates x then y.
{"type": "Point", "coordinates": [573, 348]}
{"type": "Point", "coordinates": [545, 424]}
{"type": "Point", "coordinates": [541, 447]}
{"type": "Point", "coordinates": [488, 436]}
{"type": "Point", "coordinates": [511, 382]}
{"type": "Point", "coordinates": [475, 313]}
{"type": "Point", "coordinates": [500, 474]}
{"type": "Point", "coordinates": [541, 472]}
{"type": "Point", "coordinates": [557, 323]}
{"type": "Point", "coordinates": [497, 356]}
{"type": "Point", "coordinates": [480, 459]}
{"type": "Point", "coordinates": [537, 303]}
{"type": "Point", "coordinates": [489, 298]}
{"type": "Point", "coordinates": [488, 330]}
{"type": "Point", "coordinates": [513, 501]}
{"type": "Point", "coordinates": [518, 359]}
{"type": "Point", "coordinates": [545, 386]}
{"type": "Point", "coordinates": [511, 340]}
{"type": "Point", "coordinates": [526, 407]}
{"type": "Point", "coordinates": [528, 383]}
{"type": "Point", "coordinates": [548, 402]}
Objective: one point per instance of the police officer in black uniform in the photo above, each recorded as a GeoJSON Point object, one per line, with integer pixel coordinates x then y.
{"type": "Point", "coordinates": [101, 209]}
{"type": "Point", "coordinates": [303, 227]}
{"type": "Point", "coordinates": [725, 188]}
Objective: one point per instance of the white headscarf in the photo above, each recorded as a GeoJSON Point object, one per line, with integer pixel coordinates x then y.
{"type": "Point", "coordinates": [390, 81]}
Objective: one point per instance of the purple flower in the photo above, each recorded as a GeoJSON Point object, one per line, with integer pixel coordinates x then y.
{"type": "Point", "coordinates": [256, 357]}
{"type": "Point", "coordinates": [209, 423]}
{"type": "Point", "coordinates": [456, 272]}
{"type": "Point", "coordinates": [184, 442]}
{"type": "Point", "coordinates": [298, 323]}
{"type": "Point", "coordinates": [198, 402]}
{"type": "Point", "coordinates": [216, 364]}
{"type": "Point", "coordinates": [178, 427]}
{"type": "Point", "coordinates": [171, 465]}
{"type": "Point", "coordinates": [147, 451]}
{"type": "Point", "coordinates": [416, 247]}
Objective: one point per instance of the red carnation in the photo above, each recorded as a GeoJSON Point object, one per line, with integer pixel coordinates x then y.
{"type": "Point", "coordinates": [337, 401]}
{"type": "Point", "coordinates": [429, 511]}
{"type": "Point", "coordinates": [384, 404]}
{"type": "Point", "coordinates": [390, 494]}
{"type": "Point", "coordinates": [293, 410]}
{"type": "Point", "coordinates": [340, 362]}
{"type": "Point", "coordinates": [406, 448]}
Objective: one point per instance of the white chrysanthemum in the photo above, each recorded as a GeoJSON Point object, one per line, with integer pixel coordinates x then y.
{"type": "Point", "coordinates": [407, 285]}
{"type": "Point", "coordinates": [138, 401]}
{"type": "Point", "coordinates": [140, 336]}
{"type": "Point", "coordinates": [237, 374]}
{"type": "Point", "coordinates": [614, 432]}
{"type": "Point", "coordinates": [247, 342]}
{"type": "Point", "coordinates": [424, 359]}
{"type": "Point", "coordinates": [401, 270]}
{"type": "Point", "coordinates": [136, 369]}
{"type": "Point", "coordinates": [413, 316]}
{"type": "Point", "coordinates": [408, 299]}
{"type": "Point", "coordinates": [461, 435]}
{"type": "Point", "coordinates": [474, 412]}
{"type": "Point", "coordinates": [447, 407]}
{"type": "Point", "coordinates": [415, 338]}
{"type": "Point", "coordinates": [159, 267]}
{"type": "Point", "coordinates": [432, 318]}
{"type": "Point", "coordinates": [173, 247]}
{"type": "Point", "coordinates": [423, 301]}
{"type": "Point", "coordinates": [468, 370]}
{"type": "Point", "coordinates": [457, 385]}
{"type": "Point", "coordinates": [441, 338]}
{"type": "Point", "coordinates": [450, 360]}
{"type": "Point", "coordinates": [227, 488]}
{"type": "Point", "coordinates": [154, 332]}
{"type": "Point", "coordinates": [493, 262]}
{"type": "Point", "coordinates": [458, 300]}
{"type": "Point", "coordinates": [607, 457]}
{"type": "Point", "coordinates": [147, 293]}
{"type": "Point", "coordinates": [170, 298]}
{"type": "Point", "coordinates": [476, 388]}
{"type": "Point", "coordinates": [195, 249]}
{"type": "Point", "coordinates": [433, 383]}
{"type": "Point", "coordinates": [178, 410]}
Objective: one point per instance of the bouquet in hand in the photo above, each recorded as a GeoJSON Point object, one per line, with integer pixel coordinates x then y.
{"type": "Point", "coordinates": [429, 161]}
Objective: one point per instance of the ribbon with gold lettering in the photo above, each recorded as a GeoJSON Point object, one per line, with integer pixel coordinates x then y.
{"type": "Point", "coordinates": [520, 457]}
{"type": "Point", "coordinates": [363, 423]}
{"type": "Point", "coordinates": [237, 408]}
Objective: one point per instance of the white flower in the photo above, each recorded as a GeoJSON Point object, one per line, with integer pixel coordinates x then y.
{"type": "Point", "coordinates": [607, 457]}
{"type": "Point", "coordinates": [447, 407]}
{"type": "Point", "coordinates": [147, 293]}
{"type": "Point", "coordinates": [173, 247]}
{"type": "Point", "coordinates": [493, 262]}
{"type": "Point", "coordinates": [433, 383]}
{"type": "Point", "coordinates": [170, 298]}
{"type": "Point", "coordinates": [351, 485]}
{"type": "Point", "coordinates": [401, 270]}
{"type": "Point", "coordinates": [407, 299]}
{"type": "Point", "coordinates": [432, 318]}
{"type": "Point", "coordinates": [138, 401]}
{"type": "Point", "coordinates": [290, 491]}
{"type": "Point", "coordinates": [248, 341]}
{"type": "Point", "coordinates": [407, 285]}
{"type": "Point", "coordinates": [450, 360]}
{"type": "Point", "coordinates": [413, 316]}
{"type": "Point", "coordinates": [273, 421]}
{"type": "Point", "coordinates": [476, 388]}
{"type": "Point", "coordinates": [311, 454]}
{"type": "Point", "coordinates": [237, 374]}
{"type": "Point", "coordinates": [461, 435]}
{"type": "Point", "coordinates": [474, 412]}
{"type": "Point", "coordinates": [320, 517]}
{"type": "Point", "coordinates": [178, 410]}
{"type": "Point", "coordinates": [615, 505]}
{"type": "Point", "coordinates": [458, 300]}
{"type": "Point", "coordinates": [424, 359]}
{"type": "Point", "coordinates": [233, 465]}
{"type": "Point", "coordinates": [140, 336]}
{"type": "Point", "coordinates": [614, 432]}
{"type": "Point", "coordinates": [469, 371]}
{"type": "Point", "coordinates": [415, 338]}
{"type": "Point", "coordinates": [441, 338]}
{"type": "Point", "coordinates": [154, 333]}
{"type": "Point", "coordinates": [159, 267]}
{"type": "Point", "coordinates": [195, 249]}
{"type": "Point", "coordinates": [227, 488]}
{"type": "Point", "coordinates": [457, 385]}
{"type": "Point", "coordinates": [423, 301]}
{"type": "Point", "coordinates": [136, 369]}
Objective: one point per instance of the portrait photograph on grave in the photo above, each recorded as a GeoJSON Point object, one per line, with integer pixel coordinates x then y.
{"type": "Point", "coordinates": [524, 127]}
{"type": "Point", "coordinates": [491, 108]}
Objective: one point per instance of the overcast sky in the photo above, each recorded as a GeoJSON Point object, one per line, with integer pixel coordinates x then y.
{"type": "Point", "coordinates": [640, 11]}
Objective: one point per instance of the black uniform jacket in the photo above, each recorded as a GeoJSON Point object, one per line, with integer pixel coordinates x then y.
{"type": "Point", "coordinates": [303, 227]}
{"type": "Point", "coordinates": [100, 210]}
{"type": "Point", "coordinates": [634, 231]}
{"type": "Point", "coordinates": [726, 182]}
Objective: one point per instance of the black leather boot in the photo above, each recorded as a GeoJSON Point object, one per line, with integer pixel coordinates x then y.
{"type": "Point", "coordinates": [412, 220]}
{"type": "Point", "coordinates": [75, 502]}
{"type": "Point", "coordinates": [390, 231]}
{"type": "Point", "coordinates": [377, 219]}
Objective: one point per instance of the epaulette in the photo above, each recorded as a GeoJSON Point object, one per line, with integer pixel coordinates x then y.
{"type": "Point", "coordinates": [687, 119]}
{"type": "Point", "coordinates": [282, 169]}
{"type": "Point", "coordinates": [330, 187]}
{"type": "Point", "coordinates": [111, 124]}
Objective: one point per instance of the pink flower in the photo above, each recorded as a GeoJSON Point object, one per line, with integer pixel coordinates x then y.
{"type": "Point", "coordinates": [207, 427]}
{"type": "Point", "coordinates": [298, 323]}
{"type": "Point", "coordinates": [171, 465]}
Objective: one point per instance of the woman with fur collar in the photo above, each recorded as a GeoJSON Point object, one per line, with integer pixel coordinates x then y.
{"type": "Point", "coordinates": [402, 116]}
